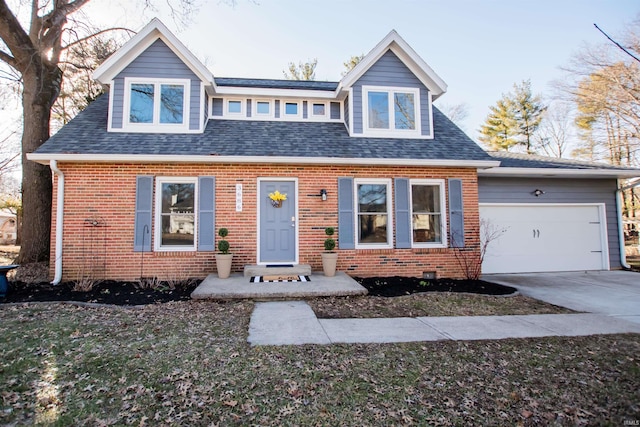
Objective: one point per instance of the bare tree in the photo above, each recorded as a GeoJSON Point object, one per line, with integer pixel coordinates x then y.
{"type": "Point", "coordinates": [457, 113]}
{"type": "Point", "coordinates": [302, 71]}
{"type": "Point", "coordinates": [555, 131]}
{"type": "Point", "coordinates": [33, 48]}
{"type": "Point", "coordinates": [470, 259]}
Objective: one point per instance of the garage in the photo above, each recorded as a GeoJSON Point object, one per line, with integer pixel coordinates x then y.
{"type": "Point", "coordinates": [545, 237]}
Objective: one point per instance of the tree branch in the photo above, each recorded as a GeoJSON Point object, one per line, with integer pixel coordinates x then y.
{"type": "Point", "coordinates": [14, 36]}
{"type": "Point", "coordinates": [84, 39]}
{"type": "Point", "coordinates": [5, 57]}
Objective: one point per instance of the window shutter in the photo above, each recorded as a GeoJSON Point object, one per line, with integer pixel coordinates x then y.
{"type": "Point", "coordinates": [346, 231]}
{"type": "Point", "coordinates": [403, 213]}
{"type": "Point", "coordinates": [206, 213]}
{"type": "Point", "coordinates": [456, 218]}
{"type": "Point", "coordinates": [143, 217]}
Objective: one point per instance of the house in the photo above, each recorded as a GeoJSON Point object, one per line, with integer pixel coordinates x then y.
{"type": "Point", "coordinates": [148, 172]}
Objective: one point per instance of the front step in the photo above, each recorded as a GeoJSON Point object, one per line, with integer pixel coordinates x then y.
{"type": "Point", "coordinates": [263, 270]}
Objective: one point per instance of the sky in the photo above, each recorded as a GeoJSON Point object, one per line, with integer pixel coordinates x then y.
{"type": "Point", "coordinates": [480, 48]}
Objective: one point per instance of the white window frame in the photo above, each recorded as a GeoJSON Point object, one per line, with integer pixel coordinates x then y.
{"type": "Point", "coordinates": [312, 116]}
{"type": "Point", "coordinates": [243, 107]}
{"type": "Point", "coordinates": [443, 213]}
{"type": "Point", "coordinates": [356, 210]}
{"type": "Point", "coordinates": [158, 214]}
{"type": "Point", "coordinates": [283, 109]}
{"type": "Point", "coordinates": [392, 131]}
{"type": "Point", "coordinates": [254, 109]}
{"type": "Point", "coordinates": [155, 125]}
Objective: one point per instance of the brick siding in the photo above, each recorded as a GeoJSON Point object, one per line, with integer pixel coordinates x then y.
{"type": "Point", "coordinates": [100, 205]}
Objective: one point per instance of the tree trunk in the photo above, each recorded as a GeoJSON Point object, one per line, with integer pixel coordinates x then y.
{"type": "Point", "coordinates": [41, 86]}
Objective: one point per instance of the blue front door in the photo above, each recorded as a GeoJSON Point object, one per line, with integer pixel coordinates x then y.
{"type": "Point", "coordinates": [277, 224]}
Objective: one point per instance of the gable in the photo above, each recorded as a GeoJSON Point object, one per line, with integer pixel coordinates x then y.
{"type": "Point", "coordinates": [390, 71]}
{"type": "Point", "coordinates": [158, 61]}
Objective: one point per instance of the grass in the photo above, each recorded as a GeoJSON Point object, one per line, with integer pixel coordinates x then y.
{"type": "Point", "coordinates": [430, 304]}
{"type": "Point", "coordinates": [188, 363]}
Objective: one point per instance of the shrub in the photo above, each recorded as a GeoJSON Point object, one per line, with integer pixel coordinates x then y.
{"type": "Point", "coordinates": [329, 243]}
{"type": "Point", "coordinates": [223, 245]}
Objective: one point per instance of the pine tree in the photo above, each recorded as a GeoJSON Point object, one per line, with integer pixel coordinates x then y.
{"type": "Point", "coordinates": [528, 112]}
{"type": "Point", "coordinates": [499, 130]}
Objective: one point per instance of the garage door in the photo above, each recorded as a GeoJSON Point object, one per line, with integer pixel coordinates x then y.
{"type": "Point", "coordinates": [536, 238]}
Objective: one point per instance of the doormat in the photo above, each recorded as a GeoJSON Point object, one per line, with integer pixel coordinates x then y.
{"type": "Point", "coordinates": [280, 278]}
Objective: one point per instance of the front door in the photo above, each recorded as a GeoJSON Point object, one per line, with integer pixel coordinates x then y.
{"type": "Point", "coordinates": [277, 223]}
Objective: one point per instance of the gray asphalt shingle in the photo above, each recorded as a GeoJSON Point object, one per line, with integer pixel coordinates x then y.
{"type": "Point", "coordinates": [521, 160]}
{"type": "Point", "coordinates": [87, 134]}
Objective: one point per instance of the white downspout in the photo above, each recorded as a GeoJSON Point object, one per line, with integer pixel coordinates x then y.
{"type": "Point", "coordinates": [57, 277]}
{"type": "Point", "coordinates": [623, 255]}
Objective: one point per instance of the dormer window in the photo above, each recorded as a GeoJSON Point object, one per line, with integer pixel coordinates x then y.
{"type": "Point", "coordinates": [235, 107]}
{"type": "Point", "coordinates": [291, 110]}
{"type": "Point", "coordinates": [156, 105]}
{"type": "Point", "coordinates": [390, 110]}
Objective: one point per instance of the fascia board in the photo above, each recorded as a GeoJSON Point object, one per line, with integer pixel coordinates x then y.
{"type": "Point", "coordinates": [275, 92]}
{"type": "Point", "coordinates": [164, 158]}
{"type": "Point", "coordinates": [141, 41]}
{"type": "Point", "coordinates": [559, 173]}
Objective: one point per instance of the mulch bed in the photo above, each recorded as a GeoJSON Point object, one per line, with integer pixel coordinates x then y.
{"type": "Point", "coordinates": [106, 292]}
{"type": "Point", "coordinates": [398, 286]}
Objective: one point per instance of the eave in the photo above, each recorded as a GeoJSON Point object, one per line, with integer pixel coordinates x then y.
{"type": "Point", "coordinates": [559, 173]}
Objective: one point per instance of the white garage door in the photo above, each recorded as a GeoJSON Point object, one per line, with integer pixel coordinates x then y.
{"type": "Point", "coordinates": [538, 237]}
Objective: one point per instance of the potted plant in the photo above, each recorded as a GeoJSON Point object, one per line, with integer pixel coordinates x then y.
{"type": "Point", "coordinates": [329, 258]}
{"type": "Point", "coordinates": [224, 258]}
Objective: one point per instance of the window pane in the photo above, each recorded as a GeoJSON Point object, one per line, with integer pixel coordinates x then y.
{"type": "Point", "coordinates": [171, 103]}
{"type": "Point", "coordinates": [141, 109]}
{"type": "Point", "coordinates": [379, 110]}
{"type": "Point", "coordinates": [372, 198]}
{"type": "Point", "coordinates": [425, 198]}
{"type": "Point", "coordinates": [373, 229]}
{"type": "Point", "coordinates": [235, 107]}
{"type": "Point", "coordinates": [262, 107]}
{"type": "Point", "coordinates": [318, 109]}
{"type": "Point", "coordinates": [291, 108]}
{"type": "Point", "coordinates": [178, 218]}
{"type": "Point", "coordinates": [405, 110]}
{"type": "Point", "coordinates": [426, 228]}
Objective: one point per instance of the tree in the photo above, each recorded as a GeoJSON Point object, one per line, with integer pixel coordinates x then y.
{"type": "Point", "coordinates": [302, 71]}
{"type": "Point", "coordinates": [514, 119]}
{"type": "Point", "coordinates": [351, 63]}
{"type": "Point", "coordinates": [33, 49]}
{"type": "Point", "coordinates": [555, 132]}
{"type": "Point", "coordinates": [528, 112]}
{"type": "Point", "coordinates": [499, 130]}
{"type": "Point", "coordinates": [457, 113]}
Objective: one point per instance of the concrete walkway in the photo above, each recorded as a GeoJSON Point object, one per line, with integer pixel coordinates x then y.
{"type": "Point", "coordinates": [294, 322]}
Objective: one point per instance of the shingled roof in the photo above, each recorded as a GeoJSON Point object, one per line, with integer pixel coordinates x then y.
{"type": "Point", "coordinates": [87, 134]}
{"type": "Point", "coordinates": [276, 84]}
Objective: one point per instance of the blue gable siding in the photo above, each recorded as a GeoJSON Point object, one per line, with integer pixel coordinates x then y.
{"type": "Point", "coordinates": [389, 71]}
{"type": "Point", "coordinates": [157, 61]}
{"type": "Point", "coordinates": [217, 107]}
{"type": "Point", "coordinates": [335, 110]}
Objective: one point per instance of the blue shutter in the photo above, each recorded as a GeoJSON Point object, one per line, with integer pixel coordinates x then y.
{"type": "Point", "coordinates": [346, 233]}
{"type": "Point", "coordinates": [206, 213]}
{"type": "Point", "coordinates": [456, 218]}
{"type": "Point", "coordinates": [143, 217]}
{"type": "Point", "coordinates": [403, 213]}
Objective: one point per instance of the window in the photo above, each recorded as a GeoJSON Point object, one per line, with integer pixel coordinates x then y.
{"type": "Point", "coordinates": [263, 108]}
{"type": "Point", "coordinates": [161, 103]}
{"type": "Point", "coordinates": [390, 110]}
{"type": "Point", "coordinates": [235, 107]}
{"type": "Point", "coordinates": [427, 219]}
{"type": "Point", "coordinates": [318, 109]}
{"type": "Point", "coordinates": [373, 213]}
{"type": "Point", "coordinates": [291, 109]}
{"type": "Point", "coordinates": [175, 214]}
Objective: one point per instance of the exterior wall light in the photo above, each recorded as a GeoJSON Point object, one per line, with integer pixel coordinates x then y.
{"type": "Point", "coordinates": [323, 194]}
{"type": "Point", "coordinates": [537, 192]}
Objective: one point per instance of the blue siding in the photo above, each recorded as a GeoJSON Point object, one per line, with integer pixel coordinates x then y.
{"type": "Point", "coordinates": [248, 108]}
{"type": "Point", "coordinates": [276, 108]}
{"type": "Point", "coordinates": [390, 71]}
{"type": "Point", "coordinates": [346, 111]}
{"type": "Point", "coordinates": [218, 104]}
{"type": "Point", "coordinates": [518, 190]}
{"type": "Point", "coordinates": [335, 110]}
{"type": "Point", "coordinates": [305, 113]}
{"type": "Point", "coordinates": [158, 61]}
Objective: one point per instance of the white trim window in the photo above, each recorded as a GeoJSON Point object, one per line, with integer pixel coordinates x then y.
{"type": "Point", "coordinates": [176, 219]}
{"type": "Point", "coordinates": [262, 108]}
{"type": "Point", "coordinates": [290, 109]}
{"type": "Point", "coordinates": [318, 110]}
{"type": "Point", "coordinates": [391, 111]}
{"type": "Point", "coordinates": [428, 219]}
{"type": "Point", "coordinates": [156, 104]}
{"type": "Point", "coordinates": [234, 107]}
{"type": "Point", "coordinates": [373, 213]}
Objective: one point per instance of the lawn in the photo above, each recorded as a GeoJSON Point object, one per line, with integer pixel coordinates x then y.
{"type": "Point", "coordinates": [188, 363]}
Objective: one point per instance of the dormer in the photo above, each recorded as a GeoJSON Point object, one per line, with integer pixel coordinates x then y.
{"type": "Point", "coordinates": [389, 94]}
{"type": "Point", "coordinates": [156, 85]}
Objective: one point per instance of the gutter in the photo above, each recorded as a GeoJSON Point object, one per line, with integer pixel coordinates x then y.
{"type": "Point", "coordinates": [623, 256]}
{"type": "Point", "coordinates": [59, 222]}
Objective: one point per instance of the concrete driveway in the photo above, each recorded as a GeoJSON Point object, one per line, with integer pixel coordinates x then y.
{"type": "Point", "coordinates": [614, 293]}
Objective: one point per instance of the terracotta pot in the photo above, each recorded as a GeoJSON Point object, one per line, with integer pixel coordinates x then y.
{"type": "Point", "coordinates": [223, 265]}
{"type": "Point", "coordinates": [329, 261]}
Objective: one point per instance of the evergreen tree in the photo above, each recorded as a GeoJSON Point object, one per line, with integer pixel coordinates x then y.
{"type": "Point", "coordinates": [528, 113]}
{"type": "Point", "coordinates": [499, 130]}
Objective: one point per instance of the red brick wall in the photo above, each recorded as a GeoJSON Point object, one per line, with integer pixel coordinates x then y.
{"type": "Point", "coordinates": [106, 193]}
